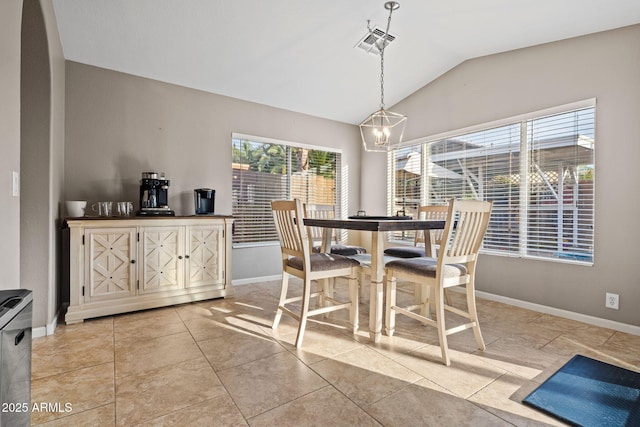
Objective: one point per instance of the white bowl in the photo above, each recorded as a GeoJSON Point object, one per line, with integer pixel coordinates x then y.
{"type": "Point", "coordinates": [75, 208]}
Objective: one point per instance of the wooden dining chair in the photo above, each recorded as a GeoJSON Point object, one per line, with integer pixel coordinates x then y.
{"type": "Point", "coordinates": [316, 233]}
{"type": "Point", "coordinates": [419, 248]}
{"type": "Point", "coordinates": [454, 266]}
{"type": "Point", "coordinates": [299, 261]}
{"type": "Point", "coordinates": [422, 246]}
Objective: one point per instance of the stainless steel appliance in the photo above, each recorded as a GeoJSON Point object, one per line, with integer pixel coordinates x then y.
{"type": "Point", "coordinates": [16, 311]}
{"type": "Point", "coordinates": [204, 200]}
{"type": "Point", "coordinates": [154, 189]}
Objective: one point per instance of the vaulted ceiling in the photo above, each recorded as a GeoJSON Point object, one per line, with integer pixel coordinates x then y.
{"type": "Point", "coordinates": [300, 55]}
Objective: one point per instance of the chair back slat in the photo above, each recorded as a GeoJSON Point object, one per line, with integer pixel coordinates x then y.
{"type": "Point", "coordinates": [471, 218]}
{"type": "Point", "coordinates": [291, 232]}
{"type": "Point", "coordinates": [431, 212]}
{"type": "Point", "coordinates": [319, 212]}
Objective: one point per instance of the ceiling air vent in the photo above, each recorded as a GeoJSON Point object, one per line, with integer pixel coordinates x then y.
{"type": "Point", "coordinates": [372, 41]}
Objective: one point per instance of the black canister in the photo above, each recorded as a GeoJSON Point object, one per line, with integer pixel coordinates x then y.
{"type": "Point", "coordinates": [204, 200]}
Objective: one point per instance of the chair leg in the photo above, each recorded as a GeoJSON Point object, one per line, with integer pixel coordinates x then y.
{"type": "Point", "coordinates": [306, 293]}
{"type": "Point", "coordinates": [431, 303]}
{"type": "Point", "coordinates": [473, 315]}
{"type": "Point", "coordinates": [442, 334]}
{"type": "Point", "coordinates": [319, 287]}
{"type": "Point", "coordinates": [283, 297]}
{"type": "Point", "coordinates": [325, 288]}
{"type": "Point", "coordinates": [354, 309]}
{"type": "Point", "coordinates": [390, 314]}
{"type": "Point", "coordinates": [417, 293]}
{"type": "Point", "coordinates": [332, 287]}
{"type": "Point", "coordinates": [427, 300]}
{"type": "Point", "coordinates": [361, 280]}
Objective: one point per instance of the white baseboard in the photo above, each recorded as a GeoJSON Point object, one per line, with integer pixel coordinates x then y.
{"type": "Point", "coordinates": [38, 332]}
{"type": "Point", "coordinates": [250, 280]}
{"type": "Point", "coordinates": [584, 318]}
{"type": "Point", "coordinates": [46, 330]}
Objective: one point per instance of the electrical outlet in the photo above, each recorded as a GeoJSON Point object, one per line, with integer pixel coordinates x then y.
{"type": "Point", "coordinates": [15, 184]}
{"type": "Point", "coordinates": [612, 301]}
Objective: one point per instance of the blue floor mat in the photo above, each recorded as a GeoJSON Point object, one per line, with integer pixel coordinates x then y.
{"type": "Point", "coordinates": [590, 393]}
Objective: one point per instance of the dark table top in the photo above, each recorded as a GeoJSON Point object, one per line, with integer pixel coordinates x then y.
{"type": "Point", "coordinates": [375, 224]}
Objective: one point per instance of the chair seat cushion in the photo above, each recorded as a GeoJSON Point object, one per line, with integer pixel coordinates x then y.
{"type": "Point", "coordinates": [345, 250]}
{"type": "Point", "coordinates": [324, 262]}
{"type": "Point", "coordinates": [365, 259]}
{"type": "Point", "coordinates": [426, 266]}
{"type": "Point", "coordinates": [405, 251]}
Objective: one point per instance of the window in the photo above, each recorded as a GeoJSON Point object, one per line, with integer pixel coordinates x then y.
{"type": "Point", "coordinates": [538, 171]}
{"type": "Point", "coordinates": [266, 170]}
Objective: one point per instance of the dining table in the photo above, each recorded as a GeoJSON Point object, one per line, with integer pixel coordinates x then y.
{"type": "Point", "coordinates": [377, 226]}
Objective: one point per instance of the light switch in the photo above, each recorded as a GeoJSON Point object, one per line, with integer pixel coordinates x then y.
{"type": "Point", "coordinates": [15, 184]}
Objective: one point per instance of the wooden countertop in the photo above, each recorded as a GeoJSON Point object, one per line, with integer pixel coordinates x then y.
{"type": "Point", "coordinates": [138, 219]}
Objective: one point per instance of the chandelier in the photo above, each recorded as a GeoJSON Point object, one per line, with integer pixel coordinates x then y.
{"type": "Point", "coordinates": [383, 130]}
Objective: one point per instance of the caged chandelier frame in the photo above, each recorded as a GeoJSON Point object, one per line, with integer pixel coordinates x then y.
{"type": "Point", "coordinates": [383, 130]}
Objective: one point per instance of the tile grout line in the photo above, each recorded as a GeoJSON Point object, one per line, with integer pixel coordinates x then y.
{"type": "Point", "coordinates": [235, 404]}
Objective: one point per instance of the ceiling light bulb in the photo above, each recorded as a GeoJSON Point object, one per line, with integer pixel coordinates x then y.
{"type": "Point", "coordinates": [381, 136]}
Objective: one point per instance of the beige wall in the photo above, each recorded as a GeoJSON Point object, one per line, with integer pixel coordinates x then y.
{"type": "Point", "coordinates": [605, 66]}
{"type": "Point", "coordinates": [34, 154]}
{"type": "Point", "coordinates": [57, 141]}
{"type": "Point", "coordinates": [10, 26]}
{"type": "Point", "coordinates": [119, 125]}
{"type": "Point", "coordinates": [42, 151]}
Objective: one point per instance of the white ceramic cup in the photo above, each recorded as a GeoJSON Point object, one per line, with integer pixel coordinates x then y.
{"type": "Point", "coordinates": [75, 208]}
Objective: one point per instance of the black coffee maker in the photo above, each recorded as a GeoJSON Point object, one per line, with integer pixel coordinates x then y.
{"type": "Point", "coordinates": [204, 200]}
{"type": "Point", "coordinates": [154, 189]}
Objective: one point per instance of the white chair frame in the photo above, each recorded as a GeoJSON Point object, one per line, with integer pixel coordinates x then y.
{"type": "Point", "coordinates": [294, 242]}
{"type": "Point", "coordinates": [459, 245]}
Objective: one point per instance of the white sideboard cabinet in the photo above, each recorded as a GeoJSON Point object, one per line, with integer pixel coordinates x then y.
{"type": "Point", "coordinates": [121, 265]}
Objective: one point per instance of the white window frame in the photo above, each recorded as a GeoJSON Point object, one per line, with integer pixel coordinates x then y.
{"type": "Point", "coordinates": [523, 165]}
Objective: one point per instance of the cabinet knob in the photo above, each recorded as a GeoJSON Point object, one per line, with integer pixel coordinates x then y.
{"type": "Point", "coordinates": [179, 256]}
{"type": "Point", "coordinates": [186, 256]}
{"type": "Point", "coordinates": [133, 261]}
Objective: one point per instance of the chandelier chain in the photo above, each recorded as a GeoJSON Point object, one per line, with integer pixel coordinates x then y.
{"type": "Point", "coordinates": [382, 79]}
{"type": "Point", "coordinates": [384, 44]}
{"type": "Point", "coordinates": [382, 131]}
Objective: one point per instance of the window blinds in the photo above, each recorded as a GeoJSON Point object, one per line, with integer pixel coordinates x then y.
{"type": "Point", "coordinates": [537, 171]}
{"type": "Point", "coordinates": [269, 170]}
{"type": "Point", "coordinates": [560, 196]}
{"type": "Point", "coordinates": [482, 165]}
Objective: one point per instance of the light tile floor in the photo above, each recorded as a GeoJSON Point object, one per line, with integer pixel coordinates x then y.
{"type": "Point", "coordinates": [219, 363]}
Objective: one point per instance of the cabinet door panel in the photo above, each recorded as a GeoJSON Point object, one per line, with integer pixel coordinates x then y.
{"type": "Point", "coordinates": [162, 250]}
{"type": "Point", "coordinates": [206, 255]}
{"type": "Point", "coordinates": [111, 272]}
